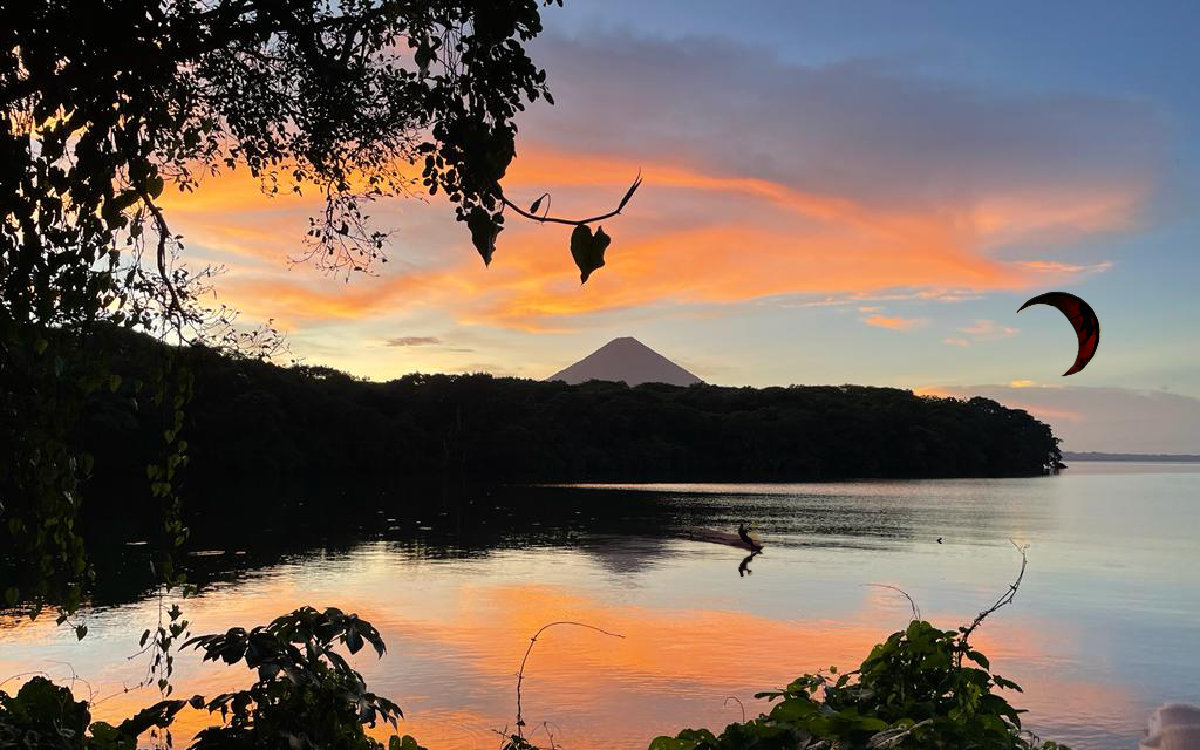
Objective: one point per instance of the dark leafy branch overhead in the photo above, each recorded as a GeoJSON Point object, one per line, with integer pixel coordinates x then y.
{"type": "Point", "coordinates": [587, 248]}
{"type": "Point", "coordinates": [336, 98]}
{"type": "Point", "coordinates": [109, 105]}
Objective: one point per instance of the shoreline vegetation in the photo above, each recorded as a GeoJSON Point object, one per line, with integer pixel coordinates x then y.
{"type": "Point", "coordinates": [265, 428]}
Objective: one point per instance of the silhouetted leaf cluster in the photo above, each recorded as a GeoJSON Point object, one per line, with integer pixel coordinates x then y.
{"type": "Point", "coordinates": [306, 696]}
{"type": "Point", "coordinates": [45, 716]}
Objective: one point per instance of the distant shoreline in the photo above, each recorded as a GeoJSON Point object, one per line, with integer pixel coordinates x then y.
{"type": "Point", "coordinates": [1165, 458]}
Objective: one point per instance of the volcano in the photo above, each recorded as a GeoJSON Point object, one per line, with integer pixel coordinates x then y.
{"type": "Point", "coordinates": [626, 360]}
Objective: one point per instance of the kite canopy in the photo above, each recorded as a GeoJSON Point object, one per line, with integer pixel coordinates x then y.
{"type": "Point", "coordinates": [1083, 319]}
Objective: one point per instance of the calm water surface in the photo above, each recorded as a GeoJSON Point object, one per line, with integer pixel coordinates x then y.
{"type": "Point", "coordinates": [1105, 627]}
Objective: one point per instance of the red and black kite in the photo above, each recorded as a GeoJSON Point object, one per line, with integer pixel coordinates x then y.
{"type": "Point", "coordinates": [1082, 317]}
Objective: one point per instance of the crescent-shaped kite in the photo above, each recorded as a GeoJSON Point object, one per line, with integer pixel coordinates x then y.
{"type": "Point", "coordinates": [1082, 317]}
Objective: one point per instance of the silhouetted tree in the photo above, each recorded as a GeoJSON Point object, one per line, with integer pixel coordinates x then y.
{"type": "Point", "coordinates": [110, 103]}
{"type": "Point", "coordinates": [268, 430]}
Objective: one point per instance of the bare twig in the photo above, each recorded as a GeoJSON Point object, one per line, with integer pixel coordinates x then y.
{"type": "Point", "coordinates": [525, 659]}
{"type": "Point", "coordinates": [73, 677]}
{"type": "Point", "coordinates": [164, 236]}
{"type": "Point", "coordinates": [544, 219]}
{"type": "Point", "coordinates": [741, 705]}
{"type": "Point", "coordinates": [916, 611]}
{"type": "Point", "coordinates": [549, 733]}
{"type": "Point", "coordinates": [1005, 599]}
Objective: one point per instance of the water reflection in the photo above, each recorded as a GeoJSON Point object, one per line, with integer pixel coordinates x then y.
{"type": "Point", "coordinates": [744, 565]}
{"type": "Point", "coordinates": [458, 590]}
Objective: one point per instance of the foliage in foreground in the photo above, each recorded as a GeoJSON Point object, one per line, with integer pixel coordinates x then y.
{"type": "Point", "coordinates": [913, 691]}
{"type": "Point", "coordinates": [306, 696]}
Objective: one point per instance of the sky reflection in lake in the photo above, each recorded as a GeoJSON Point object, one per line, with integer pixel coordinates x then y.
{"type": "Point", "coordinates": [1101, 632]}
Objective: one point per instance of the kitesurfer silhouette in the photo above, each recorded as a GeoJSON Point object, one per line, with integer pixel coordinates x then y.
{"type": "Point", "coordinates": [744, 568]}
{"type": "Point", "coordinates": [744, 535]}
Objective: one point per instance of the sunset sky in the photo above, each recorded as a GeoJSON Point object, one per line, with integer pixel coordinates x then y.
{"type": "Point", "coordinates": [833, 193]}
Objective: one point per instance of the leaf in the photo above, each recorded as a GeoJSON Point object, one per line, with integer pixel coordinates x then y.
{"type": "Point", "coordinates": [793, 709]}
{"type": "Point", "coordinates": [159, 715]}
{"type": "Point", "coordinates": [629, 193]}
{"type": "Point", "coordinates": [484, 230]}
{"type": "Point", "coordinates": [588, 250]}
{"type": "Point", "coordinates": [1006, 684]}
{"type": "Point", "coordinates": [80, 632]}
{"type": "Point", "coordinates": [533, 208]}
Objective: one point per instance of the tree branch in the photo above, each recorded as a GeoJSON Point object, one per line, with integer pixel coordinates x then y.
{"type": "Point", "coordinates": [1004, 600]}
{"type": "Point", "coordinates": [164, 232]}
{"type": "Point", "coordinates": [637, 182]}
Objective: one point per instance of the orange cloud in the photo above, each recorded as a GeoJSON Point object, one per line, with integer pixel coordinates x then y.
{"type": "Point", "coordinates": [1055, 267]}
{"type": "Point", "coordinates": [690, 237]}
{"type": "Point", "coordinates": [894, 324]}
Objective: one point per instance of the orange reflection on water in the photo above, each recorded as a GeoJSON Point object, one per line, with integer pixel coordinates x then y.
{"type": "Point", "coordinates": [454, 652]}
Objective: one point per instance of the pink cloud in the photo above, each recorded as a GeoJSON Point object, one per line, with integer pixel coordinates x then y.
{"type": "Point", "coordinates": [895, 324]}
{"type": "Point", "coordinates": [988, 330]}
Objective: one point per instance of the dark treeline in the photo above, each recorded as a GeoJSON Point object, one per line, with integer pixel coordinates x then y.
{"type": "Point", "coordinates": [257, 427]}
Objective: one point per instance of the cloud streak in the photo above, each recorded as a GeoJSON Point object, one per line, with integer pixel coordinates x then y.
{"type": "Point", "coordinates": [413, 341]}
{"type": "Point", "coordinates": [894, 324]}
{"type": "Point", "coordinates": [980, 330]}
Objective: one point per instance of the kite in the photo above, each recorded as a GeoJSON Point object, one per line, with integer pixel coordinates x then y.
{"type": "Point", "coordinates": [1082, 317]}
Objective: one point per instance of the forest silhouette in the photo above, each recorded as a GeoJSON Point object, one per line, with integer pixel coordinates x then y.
{"type": "Point", "coordinates": [255, 427]}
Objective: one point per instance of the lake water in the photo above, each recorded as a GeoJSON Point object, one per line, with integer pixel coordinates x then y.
{"type": "Point", "coordinates": [1105, 627]}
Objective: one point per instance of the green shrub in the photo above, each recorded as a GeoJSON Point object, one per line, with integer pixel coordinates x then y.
{"type": "Point", "coordinates": [912, 691]}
